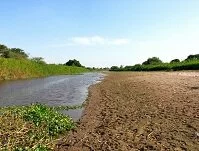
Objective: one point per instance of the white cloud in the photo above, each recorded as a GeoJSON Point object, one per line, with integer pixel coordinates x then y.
{"type": "Point", "coordinates": [87, 40]}
{"type": "Point", "coordinates": [97, 40]}
{"type": "Point", "coordinates": [120, 41]}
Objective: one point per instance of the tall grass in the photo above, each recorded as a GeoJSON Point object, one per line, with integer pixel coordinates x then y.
{"type": "Point", "coordinates": [20, 69]}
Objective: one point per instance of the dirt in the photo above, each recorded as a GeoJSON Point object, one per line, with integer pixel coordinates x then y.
{"type": "Point", "coordinates": [138, 112]}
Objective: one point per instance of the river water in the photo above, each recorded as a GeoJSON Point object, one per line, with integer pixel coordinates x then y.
{"type": "Point", "coordinates": [53, 91]}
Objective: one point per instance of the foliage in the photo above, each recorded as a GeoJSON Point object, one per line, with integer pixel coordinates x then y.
{"type": "Point", "coordinates": [73, 62]}
{"type": "Point", "coordinates": [192, 57]}
{"type": "Point", "coordinates": [36, 127]}
{"type": "Point", "coordinates": [151, 61]}
{"type": "Point", "coordinates": [190, 64]}
{"type": "Point", "coordinates": [115, 68]}
{"type": "Point", "coordinates": [22, 68]}
{"type": "Point", "coordinates": [3, 47]}
{"type": "Point", "coordinates": [55, 122]}
{"type": "Point", "coordinates": [39, 60]}
{"type": "Point", "coordinates": [3, 50]}
{"type": "Point", "coordinates": [16, 53]}
{"type": "Point", "coordinates": [19, 52]}
{"type": "Point", "coordinates": [175, 61]}
{"type": "Point", "coordinates": [10, 54]}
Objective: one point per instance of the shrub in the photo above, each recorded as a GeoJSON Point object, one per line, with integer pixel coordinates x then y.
{"type": "Point", "coordinates": [114, 68]}
{"type": "Point", "coordinates": [151, 61]}
{"type": "Point", "coordinates": [73, 62]}
{"type": "Point", "coordinates": [175, 61]}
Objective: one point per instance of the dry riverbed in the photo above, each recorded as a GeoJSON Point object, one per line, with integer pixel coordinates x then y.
{"type": "Point", "coordinates": [139, 111]}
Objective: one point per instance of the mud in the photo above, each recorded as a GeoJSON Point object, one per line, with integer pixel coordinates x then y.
{"type": "Point", "coordinates": [138, 112]}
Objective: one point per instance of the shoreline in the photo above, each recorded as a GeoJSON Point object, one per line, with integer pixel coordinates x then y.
{"type": "Point", "coordinates": [138, 111]}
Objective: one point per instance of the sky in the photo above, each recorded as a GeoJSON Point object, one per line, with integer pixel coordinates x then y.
{"type": "Point", "coordinates": [101, 33]}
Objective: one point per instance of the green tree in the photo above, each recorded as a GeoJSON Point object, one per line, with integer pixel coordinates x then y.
{"type": "Point", "coordinates": [12, 53]}
{"type": "Point", "coordinates": [175, 61]}
{"type": "Point", "coordinates": [152, 61]}
{"type": "Point", "coordinates": [115, 68]}
{"type": "Point", "coordinates": [19, 52]}
{"type": "Point", "coordinates": [3, 50]}
{"type": "Point", "coordinates": [39, 60]}
{"type": "Point", "coordinates": [192, 57]}
{"type": "Point", "coordinates": [73, 62]}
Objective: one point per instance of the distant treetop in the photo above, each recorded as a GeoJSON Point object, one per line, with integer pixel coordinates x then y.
{"type": "Point", "coordinates": [175, 61]}
{"type": "Point", "coordinates": [151, 61]}
{"type": "Point", "coordinates": [73, 62]}
{"type": "Point", "coordinates": [192, 57]}
{"type": "Point", "coordinates": [39, 60]}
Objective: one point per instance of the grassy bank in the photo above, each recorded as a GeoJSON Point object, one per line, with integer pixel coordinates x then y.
{"type": "Point", "coordinates": [22, 68]}
{"type": "Point", "coordinates": [186, 65]}
{"type": "Point", "coordinates": [32, 128]}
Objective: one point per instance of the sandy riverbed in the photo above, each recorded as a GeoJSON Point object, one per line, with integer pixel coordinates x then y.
{"type": "Point", "coordinates": [139, 111]}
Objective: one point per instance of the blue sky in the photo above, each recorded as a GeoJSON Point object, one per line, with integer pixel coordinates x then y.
{"type": "Point", "coordinates": [101, 33]}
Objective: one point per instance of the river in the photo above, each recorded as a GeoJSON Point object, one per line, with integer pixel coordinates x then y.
{"type": "Point", "coordinates": [54, 91]}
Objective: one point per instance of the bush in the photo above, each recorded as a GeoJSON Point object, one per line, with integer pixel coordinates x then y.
{"type": "Point", "coordinates": [151, 61]}
{"type": "Point", "coordinates": [175, 61]}
{"type": "Point", "coordinates": [39, 60]}
{"type": "Point", "coordinates": [73, 62]}
{"type": "Point", "coordinates": [114, 68]}
{"type": "Point", "coordinates": [192, 57]}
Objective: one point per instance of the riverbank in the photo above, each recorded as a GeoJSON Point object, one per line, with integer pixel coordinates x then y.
{"type": "Point", "coordinates": [12, 69]}
{"type": "Point", "coordinates": [139, 111]}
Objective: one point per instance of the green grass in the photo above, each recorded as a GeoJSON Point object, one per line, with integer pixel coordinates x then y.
{"type": "Point", "coordinates": [32, 128]}
{"type": "Point", "coordinates": [21, 69]}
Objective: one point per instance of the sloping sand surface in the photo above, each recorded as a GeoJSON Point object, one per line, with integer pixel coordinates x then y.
{"type": "Point", "coordinates": [139, 111]}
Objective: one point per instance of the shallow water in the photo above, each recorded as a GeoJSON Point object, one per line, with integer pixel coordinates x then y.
{"type": "Point", "coordinates": [53, 91]}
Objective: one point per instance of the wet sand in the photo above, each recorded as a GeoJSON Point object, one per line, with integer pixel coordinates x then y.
{"type": "Point", "coordinates": [139, 111]}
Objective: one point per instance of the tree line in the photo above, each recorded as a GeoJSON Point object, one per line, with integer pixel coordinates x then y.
{"type": "Point", "coordinates": [155, 64]}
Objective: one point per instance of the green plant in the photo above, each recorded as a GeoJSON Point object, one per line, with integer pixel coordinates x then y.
{"type": "Point", "coordinates": [32, 128]}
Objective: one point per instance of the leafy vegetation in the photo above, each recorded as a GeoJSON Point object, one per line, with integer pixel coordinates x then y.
{"type": "Point", "coordinates": [35, 128]}
{"type": "Point", "coordinates": [193, 57]}
{"type": "Point", "coordinates": [155, 64]}
{"type": "Point", "coordinates": [39, 60]}
{"type": "Point", "coordinates": [73, 62]}
{"type": "Point", "coordinates": [152, 61]}
{"type": "Point", "coordinates": [175, 61]}
{"type": "Point", "coordinates": [16, 53]}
